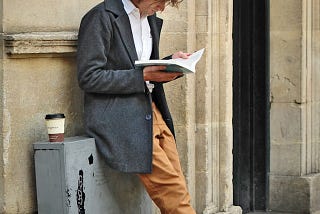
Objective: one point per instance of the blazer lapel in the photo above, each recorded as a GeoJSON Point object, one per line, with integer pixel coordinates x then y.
{"type": "Point", "coordinates": [155, 26]}
{"type": "Point", "coordinates": [124, 28]}
{"type": "Point", "coordinates": [122, 23]}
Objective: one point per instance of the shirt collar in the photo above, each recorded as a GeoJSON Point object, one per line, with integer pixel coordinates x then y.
{"type": "Point", "coordinates": [129, 7]}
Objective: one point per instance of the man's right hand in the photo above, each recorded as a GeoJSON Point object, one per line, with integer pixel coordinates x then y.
{"type": "Point", "coordinates": [158, 74]}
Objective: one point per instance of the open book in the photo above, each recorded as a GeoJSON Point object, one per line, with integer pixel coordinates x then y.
{"type": "Point", "coordinates": [175, 65]}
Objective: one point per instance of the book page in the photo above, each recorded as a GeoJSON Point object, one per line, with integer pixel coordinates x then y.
{"type": "Point", "coordinates": [191, 62]}
{"type": "Point", "coordinates": [178, 64]}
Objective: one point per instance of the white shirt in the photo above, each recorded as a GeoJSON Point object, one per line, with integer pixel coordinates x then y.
{"type": "Point", "coordinates": [140, 30]}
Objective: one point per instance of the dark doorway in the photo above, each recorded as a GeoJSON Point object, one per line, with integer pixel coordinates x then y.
{"type": "Point", "coordinates": [251, 104]}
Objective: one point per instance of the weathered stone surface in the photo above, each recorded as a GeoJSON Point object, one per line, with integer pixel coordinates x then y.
{"type": "Point", "coordinates": [289, 194]}
{"type": "Point", "coordinates": [286, 50]}
{"type": "Point", "coordinates": [295, 194]}
{"type": "Point", "coordinates": [202, 103]}
{"type": "Point", "coordinates": [283, 114]}
{"type": "Point", "coordinates": [39, 16]}
{"type": "Point", "coordinates": [41, 86]}
{"type": "Point", "coordinates": [43, 81]}
{"type": "Point", "coordinates": [18, 45]}
{"type": "Point", "coordinates": [285, 159]}
{"type": "Point", "coordinates": [294, 122]}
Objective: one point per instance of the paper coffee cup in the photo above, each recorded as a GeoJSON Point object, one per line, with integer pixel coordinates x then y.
{"type": "Point", "coordinates": [55, 127]}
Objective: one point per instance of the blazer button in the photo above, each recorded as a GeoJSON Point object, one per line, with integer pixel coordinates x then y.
{"type": "Point", "coordinates": [148, 117]}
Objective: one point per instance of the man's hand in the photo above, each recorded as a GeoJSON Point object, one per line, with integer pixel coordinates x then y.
{"type": "Point", "coordinates": [158, 74]}
{"type": "Point", "coordinates": [181, 54]}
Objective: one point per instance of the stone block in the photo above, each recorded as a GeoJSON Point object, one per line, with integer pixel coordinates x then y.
{"type": "Point", "coordinates": [202, 24]}
{"type": "Point", "coordinates": [202, 148]}
{"type": "Point", "coordinates": [314, 179]}
{"type": "Point", "coordinates": [315, 122]}
{"type": "Point", "coordinates": [179, 15]}
{"type": "Point", "coordinates": [231, 210]}
{"type": "Point", "coordinates": [286, 51]}
{"type": "Point", "coordinates": [44, 15]}
{"type": "Point", "coordinates": [294, 194]}
{"type": "Point", "coordinates": [285, 15]}
{"type": "Point", "coordinates": [285, 159]}
{"type": "Point", "coordinates": [181, 141]}
{"type": "Point", "coordinates": [202, 8]}
{"type": "Point", "coordinates": [202, 183]}
{"type": "Point", "coordinates": [289, 194]}
{"type": "Point", "coordinates": [202, 39]}
{"type": "Point", "coordinates": [287, 122]}
{"type": "Point", "coordinates": [285, 66]}
{"type": "Point", "coordinates": [172, 42]}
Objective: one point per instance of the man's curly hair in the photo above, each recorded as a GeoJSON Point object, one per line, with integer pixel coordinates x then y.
{"type": "Point", "coordinates": [173, 3]}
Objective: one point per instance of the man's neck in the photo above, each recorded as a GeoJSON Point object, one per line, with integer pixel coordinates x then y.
{"type": "Point", "coordinates": [136, 3]}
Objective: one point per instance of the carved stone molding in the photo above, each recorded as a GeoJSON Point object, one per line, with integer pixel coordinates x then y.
{"type": "Point", "coordinates": [214, 122]}
{"type": "Point", "coordinates": [40, 43]}
{"type": "Point", "coordinates": [310, 86]}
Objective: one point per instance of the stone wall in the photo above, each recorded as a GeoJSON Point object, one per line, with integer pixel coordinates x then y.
{"type": "Point", "coordinates": [202, 103]}
{"type": "Point", "coordinates": [294, 64]}
{"type": "Point", "coordinates": [38, 77]}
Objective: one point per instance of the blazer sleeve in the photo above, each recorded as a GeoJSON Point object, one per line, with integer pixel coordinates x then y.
{"type": "Point", "coordinates": [95, 74]}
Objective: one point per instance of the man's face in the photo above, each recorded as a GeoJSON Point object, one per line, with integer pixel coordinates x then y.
{"type": "Point", "coordinates": [149, 7]}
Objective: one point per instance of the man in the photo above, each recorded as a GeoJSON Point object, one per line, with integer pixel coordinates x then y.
{"type": "Point", "coordinates": [125, 107]}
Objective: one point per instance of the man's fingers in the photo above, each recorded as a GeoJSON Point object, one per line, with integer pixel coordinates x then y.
{"type": "Point", "coordinates": [154, 68]}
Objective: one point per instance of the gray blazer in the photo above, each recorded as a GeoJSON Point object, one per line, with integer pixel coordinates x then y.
{"type": "Point", "coordinates": [117, 104]}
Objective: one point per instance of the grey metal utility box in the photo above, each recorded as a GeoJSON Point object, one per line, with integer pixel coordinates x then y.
{"type": "Point", "coordinates": [72, 178]}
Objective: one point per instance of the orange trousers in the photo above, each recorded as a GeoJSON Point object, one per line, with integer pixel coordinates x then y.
{"type": "Point", "coordinates": [166, 184]}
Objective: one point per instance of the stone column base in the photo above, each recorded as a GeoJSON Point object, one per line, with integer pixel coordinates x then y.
{"type": "Point", "coordinates": [295, 194]}
{"type": "Point", "coordinates": [230, 210]}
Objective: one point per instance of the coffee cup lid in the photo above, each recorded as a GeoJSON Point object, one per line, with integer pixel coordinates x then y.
{"type": "Point", "coordinates": [55, 116]}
